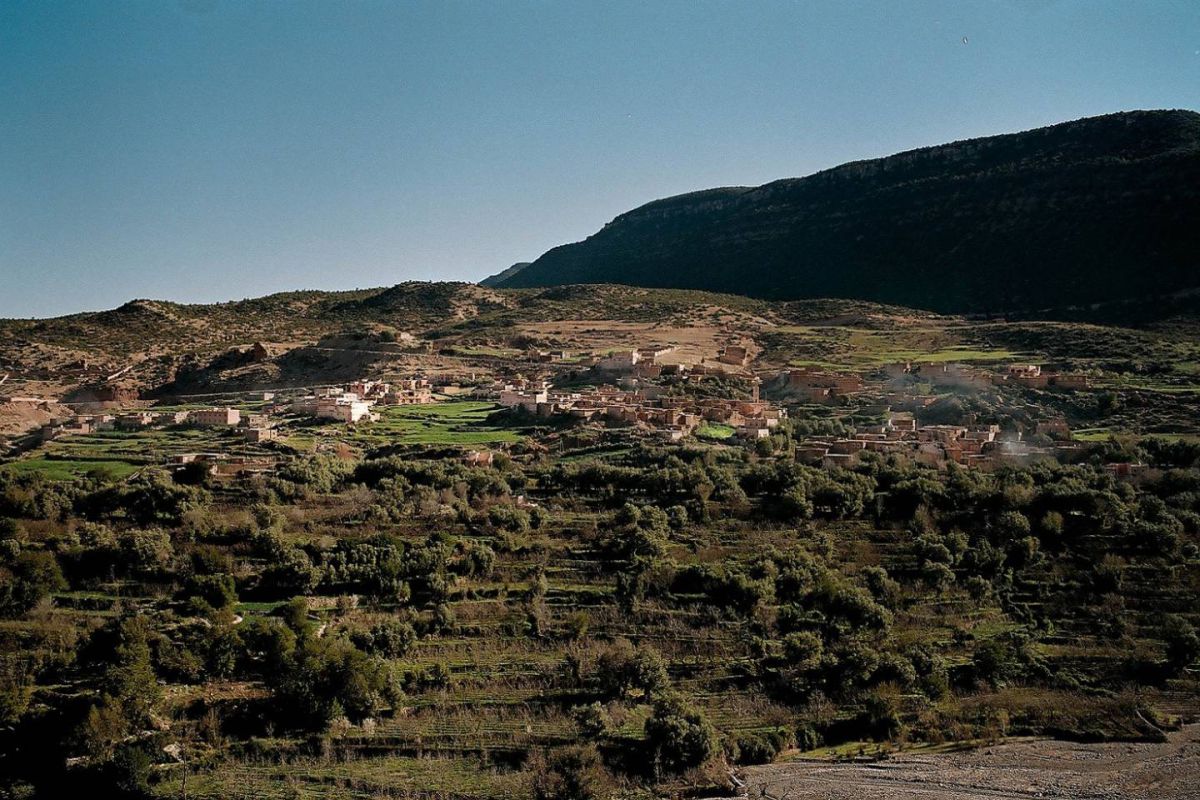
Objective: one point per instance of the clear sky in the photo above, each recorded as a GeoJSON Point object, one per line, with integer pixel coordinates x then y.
{"type": "Point", "coordinates": [203, 150]}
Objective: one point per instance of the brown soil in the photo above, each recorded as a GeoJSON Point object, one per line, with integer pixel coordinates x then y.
{"type": "Point", "coordinates": [20, 418]}
{"type": "Point", "coordinates": [1025, 769]}
{"type": "Point", "coordinates": [693, 343]}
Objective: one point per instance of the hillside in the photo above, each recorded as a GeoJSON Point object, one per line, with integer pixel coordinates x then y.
{"type": "Point", "coordinates": [1091, 211]}
{"type": "Point", "coordinates": [503, 275]}
{"type": "Point", "coordinates": [453, 597]}
{"type": "Point", "coordinates": [157, 346]}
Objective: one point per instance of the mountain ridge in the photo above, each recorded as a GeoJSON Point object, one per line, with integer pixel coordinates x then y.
{"type": "Point", "coordinates": [504, 274]}
{"type": "Point", "coordinates": [1089, 211]}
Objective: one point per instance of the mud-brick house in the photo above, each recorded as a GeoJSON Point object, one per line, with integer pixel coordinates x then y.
{"type": "Point", "coordinates": [215, 417]}
{"type": "Point", "coordinates": [735, 355]}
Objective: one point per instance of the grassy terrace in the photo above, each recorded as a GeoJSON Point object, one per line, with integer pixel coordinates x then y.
{"type": "Point", "coordinates": [712, 430]}
{"type": "Point", "coordinates": [457, 422]}
{"type": "Point", "coordinates": [353, 779]}
{"type": "Point", "coordinates": [65, 469]}
{"type": "Point", "coordinates": [839, 347]}
{"type": "Point", "coordinates": [120, 453]}
{"type": "Point", "coordinates": [502, 697]}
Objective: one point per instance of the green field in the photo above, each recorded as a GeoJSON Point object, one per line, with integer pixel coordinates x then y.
{"type": "Point", "coordinates": [714, 431]}
{"type": "Point", "coordinates": [121, 453]}
{"type": "Point", "coordinates": [460, 422]}
{"type": "Point", "coordinates": [124, 452]}
{"type": "Point", "coordinates": [67, 469]}
{"type": "Point", "coordinates": [837, 347]}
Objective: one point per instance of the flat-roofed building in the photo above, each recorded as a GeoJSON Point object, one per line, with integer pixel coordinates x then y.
{"type": "Point", "coordinates": [735, 355]}
{"type": "Point", "coordinates": [215, 417]}
{"type": "Point", "coordinates": [347, 408]}
{"type": "Point", "coordinates": [260, 434]}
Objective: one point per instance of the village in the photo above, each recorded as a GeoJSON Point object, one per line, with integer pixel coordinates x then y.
{"type": "Point", "coordinates": [897, 396]}
{"type": "Point", "coordinates": [895, 393]}
{"type": "Point", "coordinates": [650, 389]}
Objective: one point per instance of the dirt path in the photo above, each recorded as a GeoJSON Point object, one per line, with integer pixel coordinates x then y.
{"type": "Point", "coordinates": [1029, 769]}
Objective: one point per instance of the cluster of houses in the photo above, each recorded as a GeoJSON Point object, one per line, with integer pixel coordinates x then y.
{"type": "Point", "coordinates": [355, 401]}
{"type": "Point", "coordinates": [819, 386]}
{"type": "Point", "coordinates": [1034, 377]}
{"type": "Point", "coordinates": [224, 464]}
{"type": "Point", "coordinates": [336, 404]}
{"type": "Point", "coordinates": [643, 362]}
{"type": "Point", "coordinates": [648, 362]}
{"type": "Point", "coordinates": [254, 427]}
{"type": "Point", "coordinates": [672, 416]}
{"type": "Point", "coordinates": [350, 403]}
{"type": "Point", "coordinates": [890, 390]}
{"type": "Point", "coordinates": [640, 399]}
{"type": "Point", "coordinates": [20, 400]}
{"type": "Point", "coordinates": [937, 445]}
{"type": "Point", "coordinates": [547, 356]}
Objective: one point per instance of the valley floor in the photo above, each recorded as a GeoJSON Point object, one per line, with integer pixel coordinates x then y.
{"type": "Point", "coordinates": [1023, 769]}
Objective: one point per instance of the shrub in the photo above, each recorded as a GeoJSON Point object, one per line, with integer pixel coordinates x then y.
{"type": "Point", "coordinates": [16, 687]}
{"type": "Point", "coordinates": [33, 575]}
{"type": "Point", "coordinates": [881, 586]}
{"type": "Point", "coordinates": [130, 771]}
{"type": "Point", "coordinates": [679, 736]}
{"type": "Point", "coordinates": [978, 588]}
{"type": "Point", "coordinates": [591, 720]}
{"type": "Point", "coordinates": [994, 662]}
{"type": "Point", "coordinates": [937, 576]}
{"type": "Point", "coordinates": [761, 747]}
{"type": "Point", "coordinates": [508, 518]}
{"type": "Point", "coordinates": [622, 669]}
{"type": "Point", "coordinates": [390, 638]}
{"type": "Point", "coordinates": [216, 590]}
{"type": "Point", "coordinates": [1183, 645]}
{"type": "Point", "coordinates": [326, 677]}
{"type": "Point", "coordinates": [807, 737]}
{"type": "Point", "coordinates": [571, 773]}
{"type": "Point", "coordinates": [880, 716]}
{"type": "Point", "coordinates": [803, 650]}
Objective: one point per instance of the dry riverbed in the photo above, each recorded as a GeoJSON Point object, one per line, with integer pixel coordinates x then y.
{"type": "Point", "coordinates": [1025, 769]}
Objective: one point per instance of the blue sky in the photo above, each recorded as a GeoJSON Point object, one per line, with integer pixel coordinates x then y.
{"type": "Point", "coordinates": [203, 150]}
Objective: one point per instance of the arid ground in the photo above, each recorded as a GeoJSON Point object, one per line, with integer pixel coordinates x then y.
{"type": "Point", "coordinates": [1026, 769]}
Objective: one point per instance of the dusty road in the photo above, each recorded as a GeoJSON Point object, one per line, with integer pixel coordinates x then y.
{"type": "Point", "coordinates": [1030, 769]}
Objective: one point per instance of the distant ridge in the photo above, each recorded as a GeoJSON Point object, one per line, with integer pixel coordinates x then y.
{"type": "Point", "coordinates": [1097, 210]}
{"type": "Point", "coordinates": [500, 277]}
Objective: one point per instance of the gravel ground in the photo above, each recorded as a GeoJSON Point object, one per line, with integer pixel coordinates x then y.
{"type": "Point", "coordinates": [1027, 769]}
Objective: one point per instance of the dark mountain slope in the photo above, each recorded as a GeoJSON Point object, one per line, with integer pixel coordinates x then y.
{"type": "Point", "coordinates": [1095, 210]}
{"type": "Point", "coordinates": [504, 274]}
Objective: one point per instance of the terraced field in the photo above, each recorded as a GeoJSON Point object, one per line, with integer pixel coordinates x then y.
{"type": "Point", "coordinates": [456, 422]}
{"type": "Point", "coordinates": [505, 695]}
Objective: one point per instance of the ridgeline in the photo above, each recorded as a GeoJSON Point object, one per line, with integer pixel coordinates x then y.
{"type": "Point", "coordinates": [1099, 210]}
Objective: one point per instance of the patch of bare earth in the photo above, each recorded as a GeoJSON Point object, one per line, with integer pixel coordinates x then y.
{"type": "Point", "coordinates": [693, 343]}
{"type": "Point", "coordinates": [1026, 769]}
{"type": "Point", "coordinates": [21, 418]}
